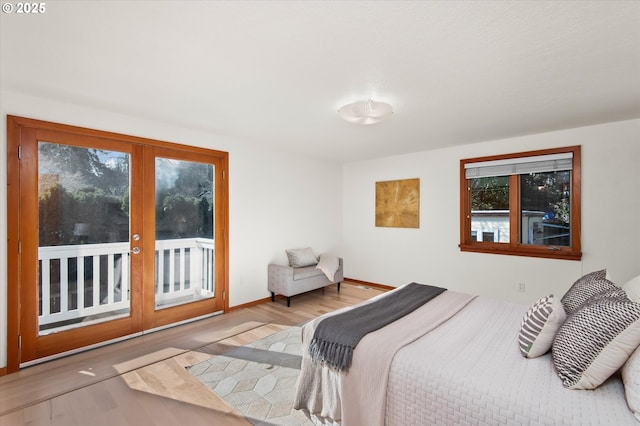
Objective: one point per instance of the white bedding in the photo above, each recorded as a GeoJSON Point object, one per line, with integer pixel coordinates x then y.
{"type": "Point", "coordinates": [468, 370]}
{"type": "Point", "coordinates": [357, 397]}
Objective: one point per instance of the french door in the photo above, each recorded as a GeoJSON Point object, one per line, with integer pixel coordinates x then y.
{"type": "Point", "coordinates": [109, 236]}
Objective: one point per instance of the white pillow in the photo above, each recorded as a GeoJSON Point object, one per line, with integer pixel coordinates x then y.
{"type": "Point", "coordinates": [632, 288]}
{"type": "Point", "coordinates": [631, 379]}
{"type": "Point", "coordinates": [539, 326]}
{"type": "Point", "coordinates": [329, 265]}
{"type": "Point", "coordinates": [596, 341]}
{"type": "Point", "coordinates": [299, 258]}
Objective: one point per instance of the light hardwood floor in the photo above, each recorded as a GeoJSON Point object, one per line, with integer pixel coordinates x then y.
{"type": "Point", "coordinates": [143, 381]}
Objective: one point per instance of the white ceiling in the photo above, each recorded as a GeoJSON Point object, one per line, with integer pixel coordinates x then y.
{"type": "Point", "coordinates": [275, 72]}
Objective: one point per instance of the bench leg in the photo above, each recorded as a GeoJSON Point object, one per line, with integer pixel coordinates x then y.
{"type": "Point", "coordinates": [288, 301]}
{"type": "Point", "coordinates": [273, 297]}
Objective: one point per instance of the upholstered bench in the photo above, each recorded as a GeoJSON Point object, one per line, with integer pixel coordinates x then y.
{"type": "Point", "coordinates": [289, 280]}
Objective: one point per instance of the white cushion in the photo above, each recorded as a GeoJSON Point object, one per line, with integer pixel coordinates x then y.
{"type": "Point", "coordinates": [596, 341]}
{"type": "Point", "coordinates": [632, 288]}
{"type": "Point", "coordinates": [299, 258]}
{"type": "Point", "coordinates": [539, 326]}
{"type": "Point", "coordinates": [305, 272]}
{"type": "Point", "coordinates": [631, 380]}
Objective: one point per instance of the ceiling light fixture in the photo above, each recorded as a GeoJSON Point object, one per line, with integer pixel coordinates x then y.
{"type": "Point", "coordinates": [365, 112]}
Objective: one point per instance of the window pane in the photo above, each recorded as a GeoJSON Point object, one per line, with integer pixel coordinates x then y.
{"type": "Point", "coordinates": [184, 232]}
{"type": "Point", "coordinates": [545, 200]}
{"type": "Point", "coordinates": [490, 209]}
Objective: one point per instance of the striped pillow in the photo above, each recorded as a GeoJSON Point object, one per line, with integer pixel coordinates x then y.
{"type": "Point", "coordinates": [539, 326]}
{"type": "Point", "coordinates": [585, 287]}
{"type": "Point", "coordinates": [595, 342]}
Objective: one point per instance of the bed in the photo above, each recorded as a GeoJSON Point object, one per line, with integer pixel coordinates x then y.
{"type": "Point", "coordinates": [453, 361]}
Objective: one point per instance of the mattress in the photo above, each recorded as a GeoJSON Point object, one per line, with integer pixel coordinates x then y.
{"type": "Point", "coordinates": [470, 371]}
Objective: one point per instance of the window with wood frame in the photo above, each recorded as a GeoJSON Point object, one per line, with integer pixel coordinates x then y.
{"type": "Point", "coordinates": [524, 204]}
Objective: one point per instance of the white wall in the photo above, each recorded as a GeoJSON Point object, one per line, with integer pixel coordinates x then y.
{"type": "Point", "coordinates": [280, 200]}
{"type": "Point", "coordinates": [430, 254]}
{"type": "Point", "coordinates": [276, 200]}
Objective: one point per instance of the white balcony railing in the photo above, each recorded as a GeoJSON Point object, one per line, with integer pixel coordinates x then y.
{"type": "Point", "coordinates": [184, 268]}
{"type": "Point", "coordinates": [87, 281]}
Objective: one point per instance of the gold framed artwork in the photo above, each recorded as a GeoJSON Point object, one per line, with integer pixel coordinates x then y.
{"type": "Point", "coordinates": [398, 203]}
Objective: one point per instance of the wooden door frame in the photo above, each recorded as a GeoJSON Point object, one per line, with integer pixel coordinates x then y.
{"type": "Point", "coordinates": [15, 125]}
{"type": "Point", "coordinates": [152, 317]}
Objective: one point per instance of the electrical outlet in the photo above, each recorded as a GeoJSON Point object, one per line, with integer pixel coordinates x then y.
{"type": "Point", "coordinates": [521, 287]}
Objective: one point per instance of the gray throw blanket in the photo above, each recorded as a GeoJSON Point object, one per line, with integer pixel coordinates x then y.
{"type": "Point", "coordinates": [336, 336]}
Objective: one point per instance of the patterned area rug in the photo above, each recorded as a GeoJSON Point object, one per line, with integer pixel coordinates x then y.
{"type": "Point", "coordinates": [258, 379]}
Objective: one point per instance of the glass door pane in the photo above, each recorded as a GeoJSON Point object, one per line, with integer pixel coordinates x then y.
{"type": "Point", "coordinates": [184, 247]}
{"type": "Point", "coordinates": [83, 233]}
